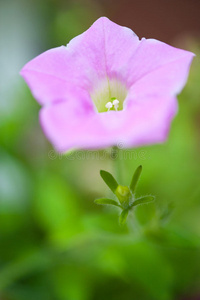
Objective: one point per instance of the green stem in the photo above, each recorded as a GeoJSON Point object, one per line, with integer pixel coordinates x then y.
{"type": "Point", "coordinates": [115, 156]}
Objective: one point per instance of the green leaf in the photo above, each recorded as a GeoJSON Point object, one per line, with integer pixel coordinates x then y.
{"type": "Point", "coordinates": [135, 179]}
{"type": "Point", "coordinates": [123, 217]}
{"type": "Point", "coordinates": [167, 212]}
{"type": "Point", "coordinates": [109, 180]}
{"type": "Point", "coordinates": [106, 201]}
{"type": "Point", "coordinates": [143, 200]}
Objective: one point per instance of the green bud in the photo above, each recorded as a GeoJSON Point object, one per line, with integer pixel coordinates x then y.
{"type": "Point", "coordinates": [124, 195]}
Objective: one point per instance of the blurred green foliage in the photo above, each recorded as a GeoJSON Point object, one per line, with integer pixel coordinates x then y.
{"type": "Point", "coordinates": [55, 243]}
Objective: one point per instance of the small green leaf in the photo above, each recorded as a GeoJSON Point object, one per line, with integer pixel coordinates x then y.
{"type": "Point", "coordinates": [143, 200]}
{"type": "Point", "coordinates": [106, 201]}
{"type": "Point", "coordinates": [109, 180]}
{"type": "Point", "coordinates": [123, 217]}
{"type": "Point", "coordinates": [135, 179]}
{"type": "Point", "coordinates": [167, 212]}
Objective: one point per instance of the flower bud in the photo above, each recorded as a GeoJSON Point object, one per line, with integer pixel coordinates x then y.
{"type": "Point", "coordinates": [124, 195]}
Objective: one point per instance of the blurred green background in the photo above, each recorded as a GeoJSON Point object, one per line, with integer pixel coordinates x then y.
{"type": "Point", "coordinates": [55, 243]}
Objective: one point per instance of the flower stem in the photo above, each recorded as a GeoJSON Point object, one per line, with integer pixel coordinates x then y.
{"type": "Point", "coordinates": [115, 156]}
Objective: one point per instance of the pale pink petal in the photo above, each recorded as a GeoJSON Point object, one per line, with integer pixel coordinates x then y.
{"type": "Point", "coordinates": [151, 120]}
{"type": "Point", "coordinates": [69, 126]}
{"type": "Point", "coordinates": [146, 122]}
{"type": "Point", "coordinates": [86, 60]}
{"type": "Point", "coordinates": [54, 75]}
{"type": "Point", "coordinates": [119, 45]}
{"type": "Point", "coordinates": [153, 55]}
{"type": "Point", "coordinates": [168, 79]}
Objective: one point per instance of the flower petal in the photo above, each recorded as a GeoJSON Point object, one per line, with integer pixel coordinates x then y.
{"type": "Point", "coordinates": [168, 79]}
{"type": "Point", "coordinates": [145, 122]}
{"type": "Point", "coordinates": [55, 75]}
{"type": "Point", "coordinates": [152, 56]}
{"type": "Point", "coordinates": [87, 59]}
{"type": "Point", "coordinates": [70, 126]}
{"type": "Point", "coordinates": [151, 117]}
{"type": "Point", "coordinates": [120, 44]}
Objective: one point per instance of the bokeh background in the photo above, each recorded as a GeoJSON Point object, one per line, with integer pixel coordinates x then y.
{"type": "Point", "coordinates": [55, 243]}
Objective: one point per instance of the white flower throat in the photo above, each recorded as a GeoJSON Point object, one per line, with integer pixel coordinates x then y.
{"type": "Point", "coordinates": [109, 94]}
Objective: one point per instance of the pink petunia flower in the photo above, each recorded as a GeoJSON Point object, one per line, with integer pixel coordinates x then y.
{"type": "Point", "coordinates": [107, 87]}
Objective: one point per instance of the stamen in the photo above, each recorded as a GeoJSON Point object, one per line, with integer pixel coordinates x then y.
{"type": "Point", "coordinates": [116, 104]}
{"type": "Point", "coordinates": [109, 105]}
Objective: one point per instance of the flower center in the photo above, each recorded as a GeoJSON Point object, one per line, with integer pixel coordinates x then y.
{"type": "Point", "coordinates": [108, 95]}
